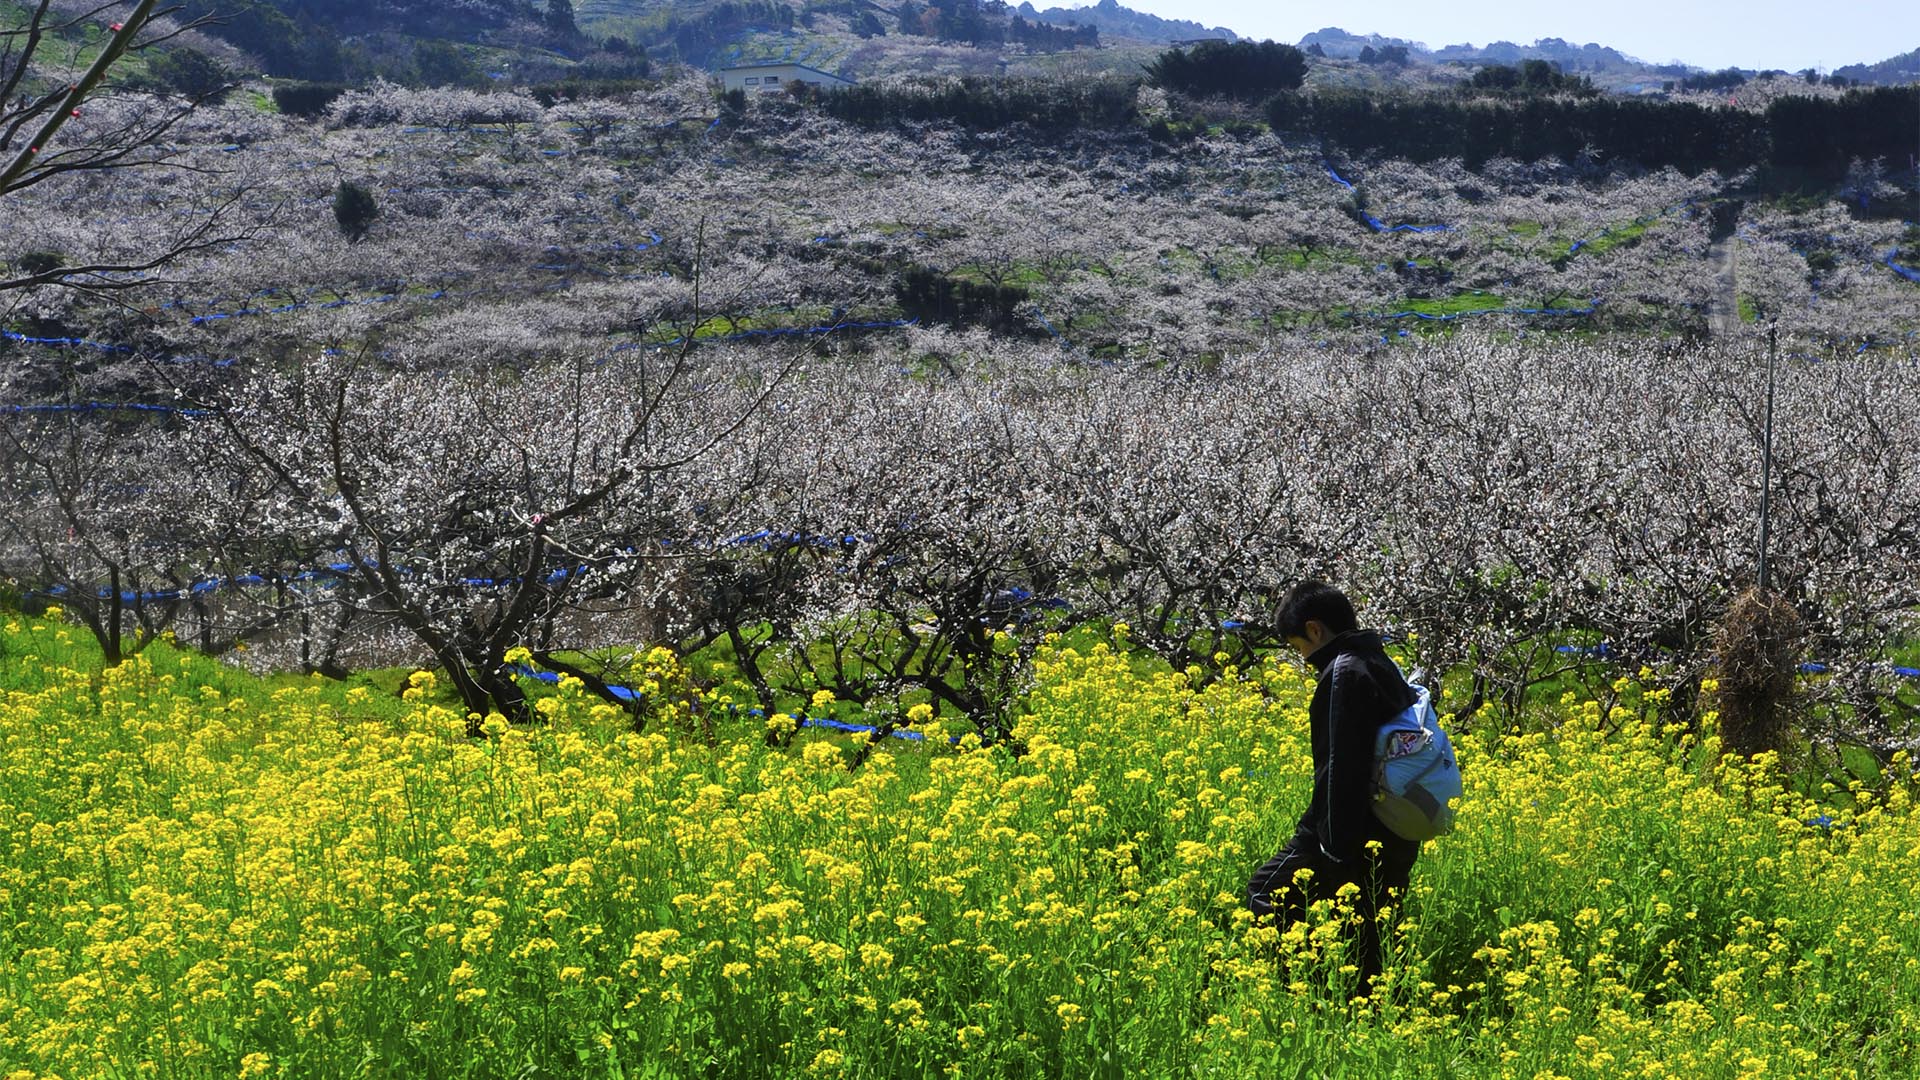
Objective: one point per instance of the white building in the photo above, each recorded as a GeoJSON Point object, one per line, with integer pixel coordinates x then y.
{"type": "Point", "coordinates": [778, 75]}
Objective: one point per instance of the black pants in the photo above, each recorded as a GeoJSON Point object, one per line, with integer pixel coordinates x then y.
{"type": "Point", "coordinates": [1382, 879]}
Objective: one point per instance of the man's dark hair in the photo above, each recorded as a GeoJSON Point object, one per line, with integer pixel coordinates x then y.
{"type": "Point", "coordinates": [1314, 601]}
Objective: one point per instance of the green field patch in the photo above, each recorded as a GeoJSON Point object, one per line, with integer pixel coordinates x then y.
{"type": "Point", "coordinates": [1019, 274]}
{"type": "Point", "coordinates": [1619, 236]}
{"type": "Point", "coordinates": [719, 327]}
{"type": "Point", "coordinates": [1456, 305]}
{"type": "Point", "coordinates": [1307, 258]}
{"type": "Point", "coordinates": [1181, 259]}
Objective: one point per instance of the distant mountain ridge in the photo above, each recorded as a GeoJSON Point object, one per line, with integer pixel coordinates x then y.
{"type": "Point", "coordinates": [1339, 43]}
{"type": "Point", "coordinates": [1570, 57]}
{"type": "Point", "coordinates": [1113, 20]}
{"type": "Point", "coordinates": [1894, 71]}
{"type": "Point", "coordinates": [1573, 58]}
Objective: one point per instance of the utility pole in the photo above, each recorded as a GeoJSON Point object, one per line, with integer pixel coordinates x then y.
{"type": "Point", "coordinates": [1766, 451]}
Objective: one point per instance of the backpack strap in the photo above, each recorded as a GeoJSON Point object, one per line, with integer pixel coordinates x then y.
{"type": "Point", "coordinates": [1423, 800]}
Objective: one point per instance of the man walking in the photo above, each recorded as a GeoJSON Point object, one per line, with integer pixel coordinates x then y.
{"type": "Point", "coordinates": [1339, 839]}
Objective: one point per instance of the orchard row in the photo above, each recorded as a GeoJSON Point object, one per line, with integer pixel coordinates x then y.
{"type": "Point", "coordinates": [835, 520]}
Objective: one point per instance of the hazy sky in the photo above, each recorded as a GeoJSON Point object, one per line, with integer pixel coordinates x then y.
{"type": "Point", "coordinates": [1787, 34]}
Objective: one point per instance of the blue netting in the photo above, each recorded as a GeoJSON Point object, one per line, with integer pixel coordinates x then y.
{"type": "Point", "coordinates": [128, 596]}
{"type": "Point", "coordinates": [772, 538]}
{"type": "Point", "coordinates": [103, 406]}
{"type": "Point", "coordinates": [1602, 650]}
{"type": "Point", "coordinates": [81, 343]}
{"type": "Point", "coordinates": [1904, 271]}
{"type": "Point", "coordinates": [1057, 336]}
{"type": "Point", "coordinates": [1380, 226]}
{"type": "Point", "coordinates": [623, 693]}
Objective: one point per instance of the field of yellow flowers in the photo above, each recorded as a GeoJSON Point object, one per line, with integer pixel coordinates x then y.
{"type": "Point", "coordinates": [204, 877]}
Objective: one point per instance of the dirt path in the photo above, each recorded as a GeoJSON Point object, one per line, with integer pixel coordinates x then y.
{"type": "Point", "coordinates": [1723, 259]}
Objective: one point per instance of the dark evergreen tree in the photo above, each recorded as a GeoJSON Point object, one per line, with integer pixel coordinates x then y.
{"type": "Point", "coordinates": [190, 73]}
{"type": "Point", "coordinates": [354, 209]}
{"type": "Point", "coordinates": [306, 50]}
{"type": "Point", "coordinates": [1242, 69]}
{"type": "Point", "coordinates": [982, 103]}
{"type": "Point", "coordinates": [305, 99]}
{"type": "Point", "coordinates": [1531, 77]}
{"type": "Point", "coordinates": [908, 14]}
{"type": "Point", "coordinates": [1728, 79]}
{"type": "Point", "coordinates": [442, 63]}
{"type": "Point", "coordinates": [560, 19]}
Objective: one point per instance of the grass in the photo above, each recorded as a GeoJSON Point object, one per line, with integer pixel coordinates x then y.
{"type": "Point", "coordinates": [1618, 236]}
{"type": "Point", "coordinates": [73, 51]}
{"type": "Point", "coordinates": [1018, 275]}
{"type": "Point", "coordinates": [1461, 304]}
{"type": "Point", "coordinates": [722, 326]}
{"type": "Point", "coordinates": [1235, 265]}
{"type": "Point", "coordinates": [1307, 258]}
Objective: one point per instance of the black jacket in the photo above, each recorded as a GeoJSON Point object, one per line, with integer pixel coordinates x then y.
{"type": "Point", "coordinates": [1359, 689]}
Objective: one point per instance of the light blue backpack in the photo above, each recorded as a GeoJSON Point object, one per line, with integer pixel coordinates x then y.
{"type": "Point", "coordinates": [1415, 774]}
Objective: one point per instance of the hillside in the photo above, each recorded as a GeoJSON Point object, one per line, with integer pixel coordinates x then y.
{"type": "Point", "coordinates": [443, 42]}
{"type": "Point", "coordinates": [1114, 20]}
{"type": "Point", "coordinates": [1895, 71]}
